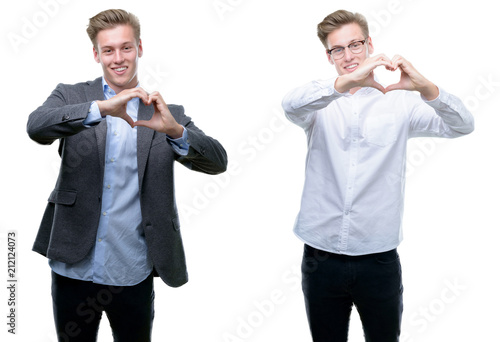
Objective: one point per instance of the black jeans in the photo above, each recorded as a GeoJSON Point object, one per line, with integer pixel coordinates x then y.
{"type": "Point", "coordinates": [78, 307]}
{"type": "Point", "coordinates": [332, 283]}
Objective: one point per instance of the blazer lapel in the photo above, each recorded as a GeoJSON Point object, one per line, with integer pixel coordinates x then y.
{"type": "Point", "coordinates": [94, 92]}
{"type": "Point", "coordinates": [144, 138]}
{"type": "Point", "coordinates": [144, 135]}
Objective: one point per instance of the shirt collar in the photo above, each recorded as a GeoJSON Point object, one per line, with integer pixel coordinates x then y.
{"type": "Point", "coordinates": [106, 89]}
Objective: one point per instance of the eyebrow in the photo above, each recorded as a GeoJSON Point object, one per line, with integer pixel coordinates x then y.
{"type": "Point", "coordinates": [111, 47]}
{"type": "Point", "coordinates": [352, 41]}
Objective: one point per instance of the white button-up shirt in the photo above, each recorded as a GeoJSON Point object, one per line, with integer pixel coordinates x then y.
{"type": "Point", "coordinates": [352, 202]}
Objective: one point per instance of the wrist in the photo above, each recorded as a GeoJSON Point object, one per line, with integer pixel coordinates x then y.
{"type": "Point", "coordinates": [102, 108]}
{"type": "Point", "coordinates": [343, 84]}
{"type": "Point", "coordinates": [430, 91]}
{"type": "Point", "coordinates": [176, 132]}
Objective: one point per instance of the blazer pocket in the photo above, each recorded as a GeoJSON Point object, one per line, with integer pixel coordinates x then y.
{"type": "Point", "coordinates": [65, 197]}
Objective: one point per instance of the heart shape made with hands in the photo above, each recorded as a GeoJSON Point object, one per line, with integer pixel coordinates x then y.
{"type": "Point", "coordinates": [406, 79]}
{"type": "Point", "coordinates": [393, 79]}
{"type": "Point", "coordinates": [390, 77]}
{"type": "Point", "coordinates": [162, 119]}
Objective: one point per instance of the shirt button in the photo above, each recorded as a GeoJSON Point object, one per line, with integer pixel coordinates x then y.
{"type": "Point", "coordinates": [108, 186]}
{"type": "Point", "coordinates": [104, 213]}
{"type": "Point", "coordinates": [99, 240]}
{"type": "Point", "coordinates": [115, 133]}
{"type": "Point", "coordinates": [112, 160]}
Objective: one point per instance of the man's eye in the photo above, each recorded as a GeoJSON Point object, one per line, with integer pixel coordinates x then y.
{"type": "Point", "coordinates": [337, 50]}
{"type": "Point", "coordinates": [356, 45]}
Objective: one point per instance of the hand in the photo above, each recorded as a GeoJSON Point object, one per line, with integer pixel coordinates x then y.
{"type": "Point", "coordinates": [162, 120]}
{"type": "Point", "coordinates": [411, 79]}
{"type": "Point", "coordinates": [117, 105]}
{"type": "Point", "coordinates": [363, 76]}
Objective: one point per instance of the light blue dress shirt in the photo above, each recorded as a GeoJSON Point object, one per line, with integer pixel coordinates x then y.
{"type": "Point", "coordinates": [119, 256]}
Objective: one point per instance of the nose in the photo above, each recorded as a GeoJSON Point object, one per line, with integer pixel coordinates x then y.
{"type": "Point", "coordinates": [348, 54]}
{"type": "Point", "coordinates": [118, 57]}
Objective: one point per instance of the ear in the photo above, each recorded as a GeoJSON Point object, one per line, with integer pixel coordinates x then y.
{"type": "Point", "coordinates": [140, 48]}
{"type": "Point", "coordinates": [96, 55]}
{"type": "Point", "coordinates": [370, 46]}
{"type": "Point", "coordinates": [330, 58]}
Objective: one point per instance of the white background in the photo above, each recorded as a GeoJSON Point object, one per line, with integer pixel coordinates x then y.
{"type": "Point", "coordinates": [230, 67]}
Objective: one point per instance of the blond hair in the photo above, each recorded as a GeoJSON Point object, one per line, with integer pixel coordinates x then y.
{"type": "Point", "coordinates": [338, 19]}
{"type": "Point", "coordinates": [110, 19]}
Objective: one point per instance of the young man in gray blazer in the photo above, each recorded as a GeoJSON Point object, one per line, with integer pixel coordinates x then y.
{"type": "Point", "coordinates": [111, 222]}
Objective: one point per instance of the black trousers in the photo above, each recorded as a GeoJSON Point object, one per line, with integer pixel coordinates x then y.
{"type": "Point", "coordinates": [78, 307]}
{"type": "Point", "coordinates": [332, 283]}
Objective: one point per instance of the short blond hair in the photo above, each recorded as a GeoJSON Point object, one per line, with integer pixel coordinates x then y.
{"type": "Point", "coordinates": [338, 19]}
{"type": "Point", "coordinates": [110, 19]}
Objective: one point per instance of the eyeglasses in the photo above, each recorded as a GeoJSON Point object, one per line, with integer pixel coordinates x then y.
{"type": "Point", "coordinates": [339, 51]}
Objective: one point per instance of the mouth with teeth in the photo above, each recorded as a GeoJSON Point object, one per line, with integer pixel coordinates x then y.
{"type": "Point", "coordinates": [351, 67]}
{"type": "Point", "coordinates": [120, 70]}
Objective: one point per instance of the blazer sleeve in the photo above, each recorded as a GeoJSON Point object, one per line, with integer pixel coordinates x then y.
{"type": "Point", "coordinates": [56, 118]}
{"type": "Point", "coordinates": [205, 153]}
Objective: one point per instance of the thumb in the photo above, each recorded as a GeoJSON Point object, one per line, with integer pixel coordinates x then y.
{"type": "Point", "coordinates": [129, 120]}
{"type": "Point", "coordinates": [396, 86]}
{"type": "Point", "coordinates": [378, 86]}
{"type": "Point", "coordinates": [143, 123]}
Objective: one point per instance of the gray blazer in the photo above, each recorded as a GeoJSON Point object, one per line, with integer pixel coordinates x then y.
{"type": "Point", "coordinates": [69, 225]}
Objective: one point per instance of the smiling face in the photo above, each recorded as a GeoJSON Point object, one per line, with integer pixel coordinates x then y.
{"type": "Point", "coordinates": [118, 53]}
{"type": "Point", "coordinates": [342, 37]}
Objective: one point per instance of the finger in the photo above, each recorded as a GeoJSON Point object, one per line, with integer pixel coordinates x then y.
{"type": "Point", "coordinates": [129, 94]}
{"type": "Point", "coordinates": [129, 120]}
{"type": "Point", "coordinates": [143, 95]}
{"type": "Point", "coordinates": [381, 57]}
{"type": "Point", "coordinates": [383, 60]}
{"type": "Point", "coordinates": [132, 93]}
{"type": "Point", "coordinates": [400, 62]}
{"type": "Point", "coordinates": [374, 84]}
{"type": "Point", "coordinates": [159, 103]}
{"type": "Point", "coordinates": [397, 58]}
{"type": "Point", "coordinates": [143, 123]}
{"type": "Point", "coordinates": [379, 87]}
{"type": "Point", "coordinates": [392, 87]}
{"type": "Point", "coordinates": [156, 96]}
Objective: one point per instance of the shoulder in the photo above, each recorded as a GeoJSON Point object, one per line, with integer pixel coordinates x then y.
{"type": "Point", "coordinates": [176, 109]}
{"type": "Point", "coordinates": [79, 92]}
{"type": "Point", "coordinates": [177, 112]}
{"type": "Point", "coordinates": [81, 85]}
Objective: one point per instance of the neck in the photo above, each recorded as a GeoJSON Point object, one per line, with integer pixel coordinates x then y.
{"type": "Point", "coordinates": [132, 84]}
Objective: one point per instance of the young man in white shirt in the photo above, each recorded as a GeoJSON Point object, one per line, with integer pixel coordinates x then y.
{"type": "Point", "coordinates": [352, 202]}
